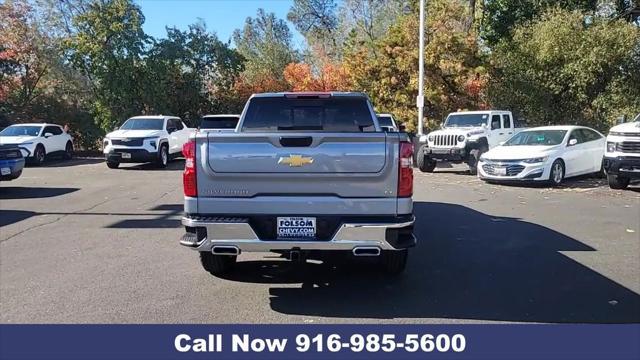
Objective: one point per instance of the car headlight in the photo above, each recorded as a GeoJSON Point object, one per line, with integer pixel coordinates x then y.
{"type": "Point", "coordinates": [105, 143]}
{"type": "Point", "coordinates": [430, 138]}
{"type": "Point", "coordinates": [536, 160]}
{"type": "Point", "coordinates": [460, 138]}
{"type": "Point", "coordinates": [27, 143]}
{"type": "Point", "coordinates": [153, 142]}
{"type": "Point", "coordinates": [611, 147]}
{"type": "Point", "coordinates": [482, 157]}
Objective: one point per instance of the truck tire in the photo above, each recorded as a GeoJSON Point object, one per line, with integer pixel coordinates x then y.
{"type": "Point", "coordinates": [425, 164]}
{"type": "Point", "coordinates": [112, 164]}
{"type": "Point", "coordinates": [217, 264]}
{"type": "Point", "coordinates": [474, 158]}
{"type": "Point", "coordinates": [394, 261]}
{"type": "Point", "coordinates": [617, 182]}
{"type": "Point", "coordinates": [163, 156]}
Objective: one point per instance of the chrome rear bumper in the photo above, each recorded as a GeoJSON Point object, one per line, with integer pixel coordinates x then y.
{"type": "Point", "coordinates": [236, 232]}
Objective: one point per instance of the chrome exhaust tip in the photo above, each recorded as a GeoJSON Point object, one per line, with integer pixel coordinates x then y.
{"type": "Point", "coordinates": [225, 250]}
{"type": "Point", "coordinates": [366, 251]}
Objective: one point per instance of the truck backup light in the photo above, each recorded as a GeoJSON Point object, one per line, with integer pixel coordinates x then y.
{"type": "Point", "coordinates": [405, 172]}
{"type": "Point", "coordinates": [189, 175]}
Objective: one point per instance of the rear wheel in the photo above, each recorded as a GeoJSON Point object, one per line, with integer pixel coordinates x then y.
{"type": "Point", "coordinates": [217, 264]}
{"type": "Point", "coordinates": [163, 156]}
{"type": "Point", "coordinates": [113, 164]}
{"type": "Point", "coordinates": [68, 151]}
{"type": "Point", "coordinates": [394, 261]}
{"type": "Point", "coordinates": [617, 182]}
{"type": "Point", "coordinates": [425, 164]}
{"type": "Point", "coordinates": [556, 175]}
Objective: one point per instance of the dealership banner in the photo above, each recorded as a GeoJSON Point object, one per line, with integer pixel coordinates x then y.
{"type": "Point", "coordinates": [319, 341]}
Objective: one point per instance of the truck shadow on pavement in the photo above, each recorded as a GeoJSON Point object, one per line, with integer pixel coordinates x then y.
{"type": "Point", "coordinates": [491, 268]}
{"type": "Point", "coordinates": [19, 192]}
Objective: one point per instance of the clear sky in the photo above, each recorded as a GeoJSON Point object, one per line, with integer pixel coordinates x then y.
{"type": "Point", "coordinates": [221, 16]}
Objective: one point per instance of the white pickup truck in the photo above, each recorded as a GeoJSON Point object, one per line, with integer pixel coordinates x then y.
{"type": "Point", "coordinates": [146, 139]}
{"type": "Point", "coordinates": [464, 137]}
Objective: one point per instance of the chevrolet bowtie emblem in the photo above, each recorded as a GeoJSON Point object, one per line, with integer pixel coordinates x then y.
{"type": "Point", "coordinates": [295, 160]}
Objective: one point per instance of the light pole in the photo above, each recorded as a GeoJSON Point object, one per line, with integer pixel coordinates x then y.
{"type": "Point", "coordinates": [420, 99]}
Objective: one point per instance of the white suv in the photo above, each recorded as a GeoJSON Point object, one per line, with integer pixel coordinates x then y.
{"type": "Point", "coordinates": [622, 154]}
{"type": "Point", "coordinates": [146, 139]}
{"type": "Point", "coordinates": [38, 140]}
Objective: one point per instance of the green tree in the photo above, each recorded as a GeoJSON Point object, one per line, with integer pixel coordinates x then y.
{"type": "Point", "coordinates": [190, 73]}
{"type": "Point", "coordinates": [265, 43]}
{"type": "Point", "coordinates": [107, 46]}
{"type": "Point", "coordinates": [316, 20]}
{"type": "Point", "coordinates": [501, 16]}
{"type": "Point", "coordinates": [568, 68]}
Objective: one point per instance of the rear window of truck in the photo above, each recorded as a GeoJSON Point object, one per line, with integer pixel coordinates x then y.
{"type": "Point", "coordinates": [219, 122]}
{"type": "Point", "coordinates": [333, 114]}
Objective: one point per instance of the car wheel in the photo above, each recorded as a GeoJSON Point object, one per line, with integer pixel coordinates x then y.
{"type": "Point", "coordinates": [425, 164]}
{"type": "Point", "coordinates": [617, 182]}
{"type": "Point", "coordinates": [39, 155]}
{"type": "Point", "coordinates": [556, 175]}
{"type": "Point", "coordinates": [68, 151]}
{"type": "Point", "coordinates": [474, 158]}
{"type": "Point", "coordinates": [163, 156]}
{"type": "Point", "coordinates": [217, 264]}
{"type": "Point", "coordinates": [394, 261]}
{"type": "Point", "coordinates": [113, 164]}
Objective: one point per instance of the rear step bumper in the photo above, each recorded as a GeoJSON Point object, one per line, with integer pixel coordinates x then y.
{"type": "Point", "coordinates": [229, 233]}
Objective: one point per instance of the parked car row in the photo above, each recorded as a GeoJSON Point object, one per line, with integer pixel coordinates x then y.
{"type": "Point", "coordinates": [498, 150]}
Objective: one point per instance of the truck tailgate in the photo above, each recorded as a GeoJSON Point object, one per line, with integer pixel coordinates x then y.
{"type": "Point", "coordinates": [342, 165]}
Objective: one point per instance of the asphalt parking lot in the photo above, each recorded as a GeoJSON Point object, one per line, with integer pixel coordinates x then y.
{"type": "Point", "coordinates": [84, 244]}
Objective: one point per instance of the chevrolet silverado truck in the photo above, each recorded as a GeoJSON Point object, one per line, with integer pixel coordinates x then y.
{"type": "Point", "coordinates": [464, 137]}
{"type": "Point", "coordinates": [621, 160]}
{"type": "Point", "coordinates": [302, 174]}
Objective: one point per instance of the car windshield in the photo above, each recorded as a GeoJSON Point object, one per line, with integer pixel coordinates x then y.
{"type": "Point", "coordinates": [537, 137]}
{"type": "Point", "coordinates": [466, 120]}
{"type": "Point", "coordinates": [219, 122]}
{"type": "Point", "coordinates": [142, 124]}
{"type": "Point", "coordinates": [21, 130]}
{"type": "Point", "coordinates": [385, 121]}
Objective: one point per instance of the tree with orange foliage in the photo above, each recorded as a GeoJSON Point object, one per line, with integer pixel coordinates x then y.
{"type": "Point", "coordinates": [331, 77]}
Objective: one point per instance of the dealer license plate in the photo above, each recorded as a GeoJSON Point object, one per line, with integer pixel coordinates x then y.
{"type": "Point", "coordinates": [5, 171]}
{"type": "Point", "coordinates": [296, 227]}
{"type": "Point", "coordinates": [500, 170]}
{"type": "Point", "coordinates": [126, 156]}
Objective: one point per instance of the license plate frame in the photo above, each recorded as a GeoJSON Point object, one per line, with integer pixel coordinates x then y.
{"type": "Point", "coordinates": [125, 155]}
{"type": "Point", "coordinates": [500, 170]}
{"type": "Point", "coordinates": [296, 227]}
{"type": "Point", "coordinates": [5, 171]}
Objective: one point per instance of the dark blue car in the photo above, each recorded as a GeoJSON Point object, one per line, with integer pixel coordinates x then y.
{"type": "Point", "coordinates": [11, 162]}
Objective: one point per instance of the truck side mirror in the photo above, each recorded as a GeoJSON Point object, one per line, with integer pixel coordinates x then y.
{"type": "Point", "coordinates": [572, 142]}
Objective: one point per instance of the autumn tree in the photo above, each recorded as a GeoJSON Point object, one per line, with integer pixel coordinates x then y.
{"type": "Point", "coordinates": [331, 77]}
{"type": "Point", "coordinates": [454, 64]}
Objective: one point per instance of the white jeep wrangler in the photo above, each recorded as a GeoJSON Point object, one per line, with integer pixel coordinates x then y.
{"type": "Point", "coordinates": [464, 137]}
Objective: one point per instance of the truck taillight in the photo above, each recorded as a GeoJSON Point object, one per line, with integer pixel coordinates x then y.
{"type": "Point", "coordinates": [405, 173]}
{"type": "Point", "coordinates": [189, 175]}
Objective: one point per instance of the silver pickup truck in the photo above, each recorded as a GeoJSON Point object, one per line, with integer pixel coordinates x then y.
{"type": "Point", "coordinates": [303, 174]}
